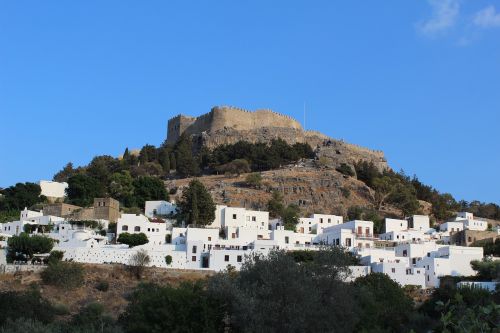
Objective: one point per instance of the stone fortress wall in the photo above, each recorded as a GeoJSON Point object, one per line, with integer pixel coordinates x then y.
{"type": "Point", "coordinates": [228, 125]}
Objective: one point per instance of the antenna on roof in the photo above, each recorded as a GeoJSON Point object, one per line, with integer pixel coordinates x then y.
{"type": "Point", "coordinates": [304, 116]}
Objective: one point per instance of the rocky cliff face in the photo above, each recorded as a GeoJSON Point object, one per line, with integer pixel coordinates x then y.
{"type": "Point", "coordinates": [314, 190]}
{"type": "Point", "coordinates": [228, 125]}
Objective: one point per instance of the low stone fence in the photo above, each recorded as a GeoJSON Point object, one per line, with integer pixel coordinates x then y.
{"type": "Point", "coordinates": [9, 269]}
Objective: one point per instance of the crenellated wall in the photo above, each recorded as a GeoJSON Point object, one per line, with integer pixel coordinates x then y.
{"type": "Point", "coordinates": [228, 125]}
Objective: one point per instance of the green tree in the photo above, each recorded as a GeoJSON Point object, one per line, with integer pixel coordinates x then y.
{"type": "Point", "coordinates": [164, 160]}
{"type": "Point", "coordinates": [148, 188]}
{"type": "Point", "coordinates": [186, 164]}
{"type": "Point", "coordinates": [82, 190]}
{"type": "Point", "coordinates": [102, 167]}
{"type": "Point", "coordinates": [186, 308]}
{"type": "Point", "coordinates": [27, 305]}
{"type": "Point", "coordinates": [121, 186]}
{"type": "Point", "coordinates": [196, 205]}
{"type": "Point", "coordinates": [67, 172]}
{"type": "Point", "coordinates": [383, 302]}
{"type": "Point", "coordinates": [345, 169]}
{"type": "Point", "coordinates": [148, 154]}
{"type": "Point", "coordinates": [24, 246]}
{"type": "Point", "coordinates": [275, 204]}
{"type": "Point", "coordinates": [19, 196]}
{"type": "Point", "coordinates": [299, 296]}
{"type": "Point", "coordinates": [63, 274]}
{"type": "Point", "coordinates": [254, 180]}
{"type": "Point", "coordinates": [133, 239]}
{"type": "Point", "coordinates": [290, 216]}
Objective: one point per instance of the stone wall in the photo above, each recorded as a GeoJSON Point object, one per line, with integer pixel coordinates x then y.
{"type": "Point", "coordinates": [228, 125]}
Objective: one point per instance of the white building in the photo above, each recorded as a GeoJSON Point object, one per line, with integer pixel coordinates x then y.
{"type": "Point", "coordinates": [317, 222]}
{"type": "Point", "coordinates": [135, 224]}
{"type": "Point", "coordinates": [52, 189]}
{"type": "Point", "coordinates": [159, 208]}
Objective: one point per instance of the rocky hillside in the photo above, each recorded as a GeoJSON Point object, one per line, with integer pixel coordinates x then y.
{"type": "Point", "coordinates": [314, 189]}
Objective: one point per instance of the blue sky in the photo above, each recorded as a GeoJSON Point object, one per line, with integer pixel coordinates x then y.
{"type": "Point", "coordinates": [417, 79]}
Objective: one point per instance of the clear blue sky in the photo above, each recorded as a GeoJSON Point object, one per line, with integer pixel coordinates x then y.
{"type": "Point", "coordinates": [417, 79]}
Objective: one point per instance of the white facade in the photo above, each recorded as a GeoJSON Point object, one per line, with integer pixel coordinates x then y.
{"type": "Point", "coordinates": [53, 189]}
{"type": "Point", "coordinates": [159, 208]}
{"type": "Point", "coordinates": [317, 223]}
{"type": "Point", "coordinates": [135, 224]}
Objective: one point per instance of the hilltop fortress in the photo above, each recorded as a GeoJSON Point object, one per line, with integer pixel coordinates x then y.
{"type": "Point", "coordinates": [227, 125]}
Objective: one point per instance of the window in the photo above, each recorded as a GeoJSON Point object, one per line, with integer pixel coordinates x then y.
{"type": "Point", "coordinates": [149, 229]}
{"type": "Point", "coordinates": [329, 220]}
{"type": "Point", "coordinates": [348, 242]}
{"type": "Point", "coordinates": [125, 228]}
{"type": "Point", "coordinates": [321, 220]}
{"type": "Point", "coordinates": [194, 248]}
{"type": "Point", "coordinates": [393, 270]}
{"type": "Point", "coordinates": [226, 257]}
{"type": "Point", "coordinates": [360, 230]}
{"type": "Point", "coordinates": [234, 216]}
{"type": "Point", "coordinates": [238, 258]}
{"type": "Point", "coordinates": [233, 235]}
{"type": "Point", "coordinates": [209, 239]}
{"type": "Point", "coordinates": [286, 240]}
{"type": "Point", "coordinates": [367, 231]}
{"type": "Point", "coordinates": [137, 228]}
{"type": "Point", "coordinates": [193, 258]}
{"type": "Point", "coordinates": [254, 218]}
{"type": "Point", "coordinates": [309, 228]}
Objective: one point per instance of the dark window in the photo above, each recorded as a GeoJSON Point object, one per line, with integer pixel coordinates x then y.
{"type": "Point", "coordinates": [125, 228]}
{"type": "Point", "coordinates": [226, 257]}
{"type": "Point", "coordinates": [194, 248]}
{"type": "Point", "coordinates": [234, 216]}
{"type": "Point", "coordinates": [193, 258]}
{"type": "Point", "coordinates": [137, 228]}
{"type": "Point", "coordinates": [238, 258]}
{"type": "Point", "coordinates": [286, 240]}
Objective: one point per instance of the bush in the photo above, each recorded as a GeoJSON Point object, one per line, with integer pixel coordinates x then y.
{"type": "Point", "coordinates": [254, 180]}
{"type": "Point", "coordinates": [28, 305]}
{"type": "Point", "coordinates": [345, 170]}
{"type": "Point", "coordinates": [55, 256]}
{"type": "Point", "coordinates": [168, 259]}
{"type": "Point", "coordinates": [138, 262]}
{"type": "Point", "coordinates": [133, 239]}
{"type": "Point", "coordinates": [67, 275]}
{"type": "Point", "coordinates": [102, 285]}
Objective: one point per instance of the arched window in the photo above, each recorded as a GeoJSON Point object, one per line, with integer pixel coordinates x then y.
{"type": "Point", "coordinates": [137, 228]}
{"type": "Point", "coordinates": [125, 228]}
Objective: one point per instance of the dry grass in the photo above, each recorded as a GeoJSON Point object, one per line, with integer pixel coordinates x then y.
{"type": "Point", "coordinates": [121, 283]}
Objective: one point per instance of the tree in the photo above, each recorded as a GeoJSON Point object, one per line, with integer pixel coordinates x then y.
{"type": "Point", "coordinates": [487, 269]}
{"type": "Point", "coordinates": [186, 308]}
{"type": "Point", "coordinates": [82, 190]}
{"type": "Point", "coordinates": [102, 167]}
{"type": "Point", "coordinates": [19, 196]}
{"type": "Point", "coordinates": [235, 167]}
{"type": "Point", "coordinates": [164, 160]}
{"type": "Point", "coordinates": [299, 296]}
{"type": "Point", "coordinates": [138, 262]}
{"type": "Point", "coordinates": [383, 302]}
{"type": "Point", "coordinates": [121, 186]}
{"type": "Point", "coordinates": [275, 204]}
{"type": "Point", "coordinates": [24, 246]}
{"type": "Point", "coordinates": [168, 259]}
{"type": "Point", "coordinates": [290, 216]}
{"type": "Point", "coordinates": [384, 187]}
{"type": "Point", "coordinates": [186, 164]}
{"type": "Point", "coordinates": [148, 154]}
{"type": "Point", "coordinates": [27, 305]}
{"type": "Point", "coordinates": [254, 180]}
{"type": "Point", "coordinates": [196, 205]}
{"type": "Point", "coordinates": [148, 188]}
{"type": "Point", "coordinates": [67, 172]}
{"type": "Point", "coordinates": [63, 274]}
{"type": "Point", "coordinates": [366, 172]}
{"type": "Point", "coordinates": [345, 169]}
{"type": "Point", "coordinates": [133, 239]}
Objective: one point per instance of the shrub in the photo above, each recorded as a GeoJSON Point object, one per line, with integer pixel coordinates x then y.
{"type": "Point", "coordinates": [133, 239]}
{"type": "Point", "coordinates": [168, 259]}
{"type": "Point", "coordinates": [55, 256]}
{"type": "Point", "coordinates": [138, 262]}
{"type": "Point", "coordinates": [28, 305]}
{"type": "Point", "coordinates": [345, 170]}
{"type": "Point", "coordinates": [67, 275]}
{"type": "Point", "coordinates": [102, 285]}
{"type": "Point", "coordinates": [254, 180]}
